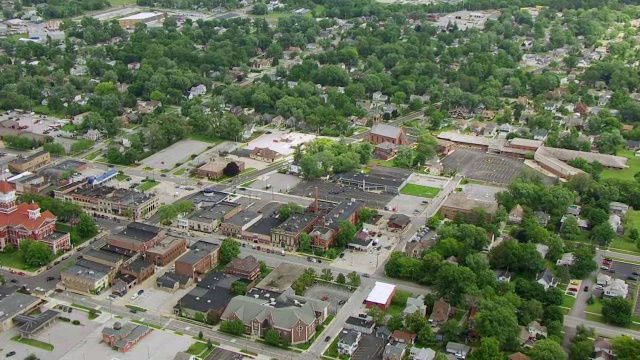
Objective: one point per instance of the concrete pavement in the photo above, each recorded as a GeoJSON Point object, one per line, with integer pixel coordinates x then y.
{"type": "Point", "coordinates": [600, 328]}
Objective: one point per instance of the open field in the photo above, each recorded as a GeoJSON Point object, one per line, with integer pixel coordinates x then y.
{"type": "Point", "coordinates": [148, 185]}
{"type": "Point", "coordinates": [420, 190]}
{"type": "Point", "coordinates": [633, 163]}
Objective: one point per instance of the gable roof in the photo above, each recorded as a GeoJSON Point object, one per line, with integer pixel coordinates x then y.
{"type": "Point", "coordinates": [547, 276]}
{"type": "Point", "coordinates": [386, 130]}
{"type": "Point", "coordinates": [440, 311]}
{"type": "Point", "coordinates": [248, 308]}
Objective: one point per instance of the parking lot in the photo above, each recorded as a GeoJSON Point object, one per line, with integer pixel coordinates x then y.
{"type": "Point", "coordinates": [623, 270]}
{"type": "Point", "coordinates": [482, 166]}
{"type": "Point", "coordinates": [276, 182]}
{"type": "Point", "coordinates": [157, 345]}
{"type": "Point", "coordinates": [367, 262]}
{"type": "Point", "coordinates": [370, 348]}
{"type": "Point", "coordinates": [332, 192]}
{"type": "Point", "coordinates": [179, 152]}
{"type": "Point", "coordinates": [335, 294]}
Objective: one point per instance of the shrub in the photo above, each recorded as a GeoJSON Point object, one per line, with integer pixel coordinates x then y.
{"type": "Point", "coordinates": [76, 322]}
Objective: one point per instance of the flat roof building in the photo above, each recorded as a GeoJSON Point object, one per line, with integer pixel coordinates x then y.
{"type": "Point", "coordinates": [464, 203]}
{"type": "Point", "coordinates": [30, 162]}
{"type": "Point", "coordinates": [137, 237]}
{"type": "Point", "coordinates": [236, 225]}
{"type": "Point", "coordinates": [143, 17]}
{"type": "Point", "coordinates": [14, 304]}
{"type": "Point", "coordinates": [202, 257]}
{"type": "Point", "coordinates": [381, 295]}
{"type": "Point", "coordinates": [288, 233]}
{"type": "Point", "coordinates": [109, 200]}
{"type": "Point", "coordinates": [86, 277]}
{"type": "Point", "coordinates": [207, 219]}
{"type": "Point", "coordinates": [389, 180]}
{"type": "Point", "coordinates": [166, 250]}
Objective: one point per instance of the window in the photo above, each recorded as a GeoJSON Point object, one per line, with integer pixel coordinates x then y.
{"type": "Point", "coordinates": [299, 329]}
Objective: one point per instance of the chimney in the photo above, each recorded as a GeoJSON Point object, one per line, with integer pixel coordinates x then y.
{"type": "Point", "coordinates": [316, 205]}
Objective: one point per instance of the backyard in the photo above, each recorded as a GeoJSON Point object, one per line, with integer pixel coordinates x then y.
{"type": "Point", "coordinates": [628, 173]}
{"type": "Point", "coordinates": [420, 190]}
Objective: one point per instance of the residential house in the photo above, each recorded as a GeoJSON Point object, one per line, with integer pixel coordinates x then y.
{"type": "Point", "coordinates": [363, 325]}
{"type": "Point", "coordinates": [440, 313]}
{"type": "Point", "coordinates": [490, 129]}
{"type": "Point", "coordinates": [542, 218]}
{"type": "Point", "coordinates": [540, 134]}
{"type": "Point", "coordinates": [566, 260]}
{"type": "Point", "coordinates": [247, 131]}
{"type": "Point", "coordinates": [394, 351]}
{"type": "Point", "coordinates": [398, 223]}
{"type": "Point", "coordinates": [618, 208]}
{"type": "Point", "coordinates": [385, 151]}
{"type": "Point", "coordinates": [196, 91]}
{"type": "Point", "coordinates": [461, 124]}
{"type": "Point", "coordinates": [503, 275]}
{"type": "Point", "coordinates": [459, 350]}
{"type": "Point", "coordinates": [536, 330]}
{"type": "Point", "coordinates": [603, 347]}
{"type": "Point", "coordinates": [93, 134]}
{"type": "Point", "coordinates": [603, 279]}
{"type": "Point", "coordinates": [415, 305]}
{"type": "Point", "coordinates": [476, 126]}
{"type": "Point", "coordinates": [416, 353]}
{"type": "Point", "coordinates": [515, 216]}
{"type": "Point", "coordinates": [403, 337]}
{"type": "Point", "coordinates": [616, 288]}
{"type": "Point", "coordinates": [383, 333]}
{"type": "Point", "coordinates": [348, 341]}
{"type": "Point", "coordinates": [264, 154]}
{"type": "Point", "coordinates": [378, 96]}
{"type": "Point", "coordinates": [546, 279]}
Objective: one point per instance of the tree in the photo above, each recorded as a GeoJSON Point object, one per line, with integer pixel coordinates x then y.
{"type": "Point", "coordinates": [395, 322]}
{"type": "Point", "coordinates": [272, 337]}
{"type": "Point", "coordinates": [54, 148]}
{"type": "Point", "coordinates": [35, 253]}
{"type": "Point", "coordinates": [209, 344]}
{"type": "Point", "coordinates": [86, 226]}
{"type": "Point", "coordinates": [569, 230]}
{"type": "Point", "coordinates": [617, 311]}
{"type": "Point", "coordinates": [305, 243]}
{"type": "Point", "coordinates": [200, 335]}
{"type": "Point", "coordinates": [426, 336]}
{"type": "Point", "coordinates": [229, 250]}
{"type": "Point", "coordinates": [454, 282]}
{"type": "Point", "coordinates": [286, 342]}
{"type": "Point", "coordinates": [32, 357]}
{"type": "Point", "coordinates": [377, 314]}
{"type": "Point", "coordinates": [547, 349]}
{"type": "Point", "coordinates": [426, 148]}
{"type": "Point", "coordinates": [238, 288]}
{"type": "Point", "coordinates": [340, 279]}
{"type": "Point", "coordinates": [451, 330]}
{"type": "Point", "coordinates": [489, 349]}
{"type": "Point", "coordinates": [497, 319]}
{"type": "Point", "coordinates": [366, 214]}
{"type": "Point", "coordinates": [310, 167]}
{"type": "Point", "coordinates": [232, 169]}
{"type": "Point", "coordinates": [235, 327]}
{"type": "Point", "coordinates": [326, 274]}
{"type": "Point", "coordinates": [404, 157]}
{"type": "Point", "coordinates": [581, 349]}
{"type": "Point", "coordinates": [626, 348]}
{"type": "Point", "coordinates": [286, 210]}
{"type": "Point", "coordinates": [583, 263]}
{"type": "Point", "coordinates": [609, 142]}
{"type": "Point", "coordinates": [413, 323]}
{"type": "Point", "coordinates": [346, 233]}
{"type": "Point", "coordinates": [602, 234]}
{"type": "Point", "coordinates": [354, 279]}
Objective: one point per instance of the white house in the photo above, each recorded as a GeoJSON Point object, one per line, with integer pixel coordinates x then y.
{"type": "Point", "coordinates": [457, 349]}
{"type": "Point", "coordinates": [603, 280]}
{"type": "Point", "coordinates": [348, 342]}
{"type": "Point", "coordinates": [196, 91]}
{"type": "Point", "coordinates": [421, 354]}
{"type": "Point", "coordinates": [617, 288]}
{"type": "Point", "coordinates": [566, 260]}
{"type": "Point", "coordinates": [378, 96]}
{"type": "Point", "coordinates": [546, 279]}
{"type": "Point", "coordinates": [93, 134]}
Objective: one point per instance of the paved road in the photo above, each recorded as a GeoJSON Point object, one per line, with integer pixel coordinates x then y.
{"type": "Point", "coordinates": [601, 329]}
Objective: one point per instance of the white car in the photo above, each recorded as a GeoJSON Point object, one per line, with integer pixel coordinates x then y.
{"type": "Point", "coordinates": [40, 289]}
{"type": "Point", "coordinates": [134, 296]}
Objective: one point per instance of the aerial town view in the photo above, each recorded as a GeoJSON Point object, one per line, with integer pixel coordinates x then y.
{"type": "Point", "coordinates": [320, 179]}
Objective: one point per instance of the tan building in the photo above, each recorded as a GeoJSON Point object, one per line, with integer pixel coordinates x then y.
{"type": "Point", "coordinates": [236, 225]}
{"type": "Point", "coordinates": [215, 169]}
{"type": "Point", "coordinates": [87, 277]}
{"type": "Point", "coordinates": [167, 250]}
{"type": "Point", "coordinates": [461, 203]}
{"type": "Point", "coordinates": [202, 257]}
{"type": "Point", "coordinates": [247, 268]}
{"type": "Point", "coordinates": [209, 218]}
{"type": "Point", "coordinates": [30, 162]}
{"type": "Point", "coordinates": [143, 17]}
{"type": "Point", "coordinates": [288, 233]}
{"type": "Point", "coordinates": [264, 154]}
{"type": "Point", "coordinates": [109, 200]}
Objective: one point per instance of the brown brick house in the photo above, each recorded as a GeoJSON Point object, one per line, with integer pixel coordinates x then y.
{"type": "Point", "coordinates": [136, 237]}
{"type": "Point", "coordinates": [247, 268]}
{"type": "Point", "coordinates": [264, 154]}
{"type": "Point", "coordinates": [202, 257]}
{"type": "Point", "coordinates": [381, 133]}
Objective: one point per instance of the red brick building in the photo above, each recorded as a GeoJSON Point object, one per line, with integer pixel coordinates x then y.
{"type": "Point", "coordinates": [166, 250]}
{"type": "Point", "coordinates": [247, 268]}
{"type": "Point", "coordinates": [123, 337]}
{"type": "Point", "coordinates": [137, 237]}
{"type": "Point", "coordinates": [381, 133]}
{"type": "Point", "coordinates": [380, 296]}
{"type": "Point", "coordinates": [27, 221]}
{"type": "Point", "coordinates": [202, 257]}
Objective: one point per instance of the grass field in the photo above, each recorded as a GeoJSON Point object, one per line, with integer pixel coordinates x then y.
{"type": "Point", "coordinates": [147, 325]}
{"type": "Point", "coordinates": [136, 308]}
{"type": "Point", "coordinates": [205, 138]}
{"type": "Point", "coordinates": [623, 244]}
{"type": "Point", "coordinates": [197, 348]}
{"type": "Point", "coordinates": [121, 177]}
{"type": "Point", "coordinates": [568, 301]}
{"type": "Point", "coordinates": [33, 342]}
{"type": "Point", "coordinates": [180, 171]}
{"type": "Point", "coordinates": [632, 221]}
{"type": "Point", "coordinates": [148, 185]}
{"type": "Point", "coordinates": [115, 3]}
{"type": "Point", "coordinates": [633, 163]}
{"type": "Point", "coordinates": [596, 307]}
{"type": "Point", "coordinates": [420, 190]}
{"type": "Point", "coordinates": [13, 260]}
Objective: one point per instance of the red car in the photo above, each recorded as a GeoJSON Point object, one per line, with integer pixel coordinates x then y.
{"type": "Point", "coordinates": [606, 262]}
{"type": "Point", "coordinates": [573, 289]}
{"type": "Point", "coordinates": [21, 273]}
{"type": "Point", "coordinates": [325, 298]}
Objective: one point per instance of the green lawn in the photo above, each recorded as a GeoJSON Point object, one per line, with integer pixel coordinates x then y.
{"type": "Point", "coordinates": [632, 221]}
{"type": "Point", "coordinates": [70, 128]}
{"type": "Point", "coordinates": [147, 324]}
{"type": "Point", "coordinates": [180, 171]}
{"type": "Point", "coordinates": [420, 190]}
{"type": "Point", "coordinates": [623, 244]}
{"type": "Point", "coordinates": [13, 260]}
{"type": "Point", "coordinates": [594, 317]}
{"type": "Point", "coordinates": [33, 342]}
{"type": "Point", "coordinates": [596, 307]}
{"type": "Point", "coordinates": [148, 185]}
{"type": "Point", "coordinates": [197, 348]}
{"type": "Point", "coordinates": [633, 163]}
{"type": "Point", "coordinates": [94, 155]}
{"type": "Point", "coordinates": [136, 308]}
{"type": "Point", "coordinates": [115, 3]}
{"type": "Point", "coordinates": [205, 138]}
{"type": "Point", "coordinates": [121, 177]}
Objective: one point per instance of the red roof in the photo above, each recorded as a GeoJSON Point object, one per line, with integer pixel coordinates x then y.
{"type": "Point", "coordinates": [21, 217]}
{"type": "Point", "coordinates": [5, 187]}
{"type": "Point", "coordinates": [404, 337]}
{"type": "Point", "coordinates": [33, 206]}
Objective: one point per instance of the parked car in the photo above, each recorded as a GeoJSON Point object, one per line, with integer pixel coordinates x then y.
{"type": "Point", "coordinates": [327, 339]}
{"type": "Point", "coordinates": [342, 302]}
{"type": "Point", "coordinates": [632, 278]}
{"type": "Point", "coordinates": [244, 245]}
{"type": "Point", "coordinates": [325, 298]}
{"type": "Point", "coordinates": [586, 288]}
{"type": "Point", "coordinates": [21, 273]}
{"type": "Point", "coordinates": [573, 289]}
{"type": "Point", "coordinates": [140, 292]}
{"type": "Point", "coordinates": [635, 273]}
{"type": "Point", "coordinates": [50, 278]}
{"type": "Point", "coordinates": [133, 311]}
{"type": "Point", "coordinates": [365, 275]}
{"type": "Point", "coordinates": [11, 353]}
{"type": "Point", "coordinates": [14, 281]}
{"type": "Point", "coordinates": [134, 296]}
{"type": "Point", "coordinates": [612, 271]}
